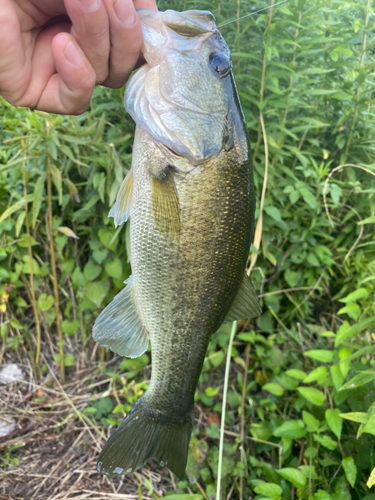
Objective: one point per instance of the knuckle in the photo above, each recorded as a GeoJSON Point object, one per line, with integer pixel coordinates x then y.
{"type": "Point", "coordinates": [101, 76]}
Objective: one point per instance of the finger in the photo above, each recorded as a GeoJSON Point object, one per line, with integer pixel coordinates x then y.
{"type": "Point", "coordinates": [15, 70]}
{"type": "Point", "coordinates": [145, 4]}
{"type": "Point", "coordinates": [126, 41]}
{"type": "Point", "coordinates": [69, 90]}
{"type": "Point", "coordinates": [90, 27]}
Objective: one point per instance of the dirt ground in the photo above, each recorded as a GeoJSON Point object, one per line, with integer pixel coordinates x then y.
{"type": "Point", "coordinates": [52, 452]}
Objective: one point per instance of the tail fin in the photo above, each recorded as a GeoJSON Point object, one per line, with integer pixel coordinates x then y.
{"type": "Point", "coordinates": [146, 434]}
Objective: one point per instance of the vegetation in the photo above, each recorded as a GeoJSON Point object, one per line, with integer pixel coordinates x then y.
{"type": "Point", "coordinates": [300, 418]}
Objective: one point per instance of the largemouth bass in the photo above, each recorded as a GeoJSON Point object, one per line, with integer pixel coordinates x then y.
{"type": "Point", "coordinates": [190, 197]}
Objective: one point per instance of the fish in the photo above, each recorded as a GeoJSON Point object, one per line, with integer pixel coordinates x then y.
{"type": "Point", "coordinates": [190, 198]}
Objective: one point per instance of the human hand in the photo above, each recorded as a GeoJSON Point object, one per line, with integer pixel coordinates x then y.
{"type": "Point", "coordinates": [54, 52]}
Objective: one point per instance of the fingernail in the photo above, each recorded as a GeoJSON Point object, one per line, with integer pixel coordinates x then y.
{"type": "Point", "coordinates": [125, 11]}
{"type": "Point", "coordinates": [72, 54]}
{"type": "Point", "coordinates": [90, 4]}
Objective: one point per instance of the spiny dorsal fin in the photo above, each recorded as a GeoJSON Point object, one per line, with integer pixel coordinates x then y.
{"type": "Point", "coordinates": [165, 206]}
{"type": "Point", "coordinates": [246, 304]}
{"type": "Point", "coordinates": [122, 207]}
{"type": "Point", "coordinates": [119, 328]}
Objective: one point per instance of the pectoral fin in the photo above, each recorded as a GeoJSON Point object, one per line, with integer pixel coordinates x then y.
{"type": "Point", "coordinates": [119, 328]}
{"type": "Point", "coordinates": [165, 206]}
{"type": "Point", "coordinates": [122, 207]}
{"type": "Point", "coordinates": [246, 304]}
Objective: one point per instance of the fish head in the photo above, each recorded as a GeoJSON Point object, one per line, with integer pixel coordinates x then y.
{"type": "Point", "coordinates": [182, 97]}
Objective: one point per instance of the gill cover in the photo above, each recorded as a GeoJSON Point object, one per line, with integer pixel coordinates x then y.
{"type": "Point", "coordinates": [180, 96]}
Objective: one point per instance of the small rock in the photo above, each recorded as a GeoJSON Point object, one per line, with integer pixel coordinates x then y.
{"type": "Point", "coordinates": [11, 373]}
{"type": "Point", "coordinates": [7, 426]}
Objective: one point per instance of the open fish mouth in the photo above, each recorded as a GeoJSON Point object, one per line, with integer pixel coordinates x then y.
{"type": "Point", "coordinates": [179, 96]}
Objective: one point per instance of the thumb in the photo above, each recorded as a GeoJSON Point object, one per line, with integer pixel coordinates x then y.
{"type": "Point", "coordinates": [69, 90]}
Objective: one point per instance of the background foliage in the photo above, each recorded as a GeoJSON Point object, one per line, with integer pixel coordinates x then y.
{"type": "Point", "coordinates": [300, 411]}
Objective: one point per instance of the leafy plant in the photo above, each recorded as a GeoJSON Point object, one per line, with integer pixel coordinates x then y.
{"type": "Point", "coordinates": [300, 398]}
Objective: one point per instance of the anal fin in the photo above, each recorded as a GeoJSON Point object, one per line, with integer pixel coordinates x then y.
{"type": "Point", "coordinates": [119, 328]}
{"type": "Point", "coordinates": [165, 206]}
{"type": "Point", "coordinates": [246, 304]}
{"type": "Point", "coordinates": [122, 208]}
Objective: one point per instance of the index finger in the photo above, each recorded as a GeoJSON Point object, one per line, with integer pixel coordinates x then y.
{"type": "Point", "coordinates": [15, 68]}
{"type": "Point", "coordinates": [145, 4]}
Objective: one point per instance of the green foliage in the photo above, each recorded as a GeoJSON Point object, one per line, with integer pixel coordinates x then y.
{"type": "Point", "coordinates": [301, 401]}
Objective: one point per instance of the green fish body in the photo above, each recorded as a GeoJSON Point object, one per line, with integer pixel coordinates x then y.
{"type": "Point", "coordinates": [191, 201]}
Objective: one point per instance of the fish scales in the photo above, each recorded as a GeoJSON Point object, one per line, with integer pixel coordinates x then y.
{"type": "Point", "coordinates": [174, 277]}
{"type": "Point", "coordinates": [191, 200]}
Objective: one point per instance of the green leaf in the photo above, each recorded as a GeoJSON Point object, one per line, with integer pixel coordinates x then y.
{"type": "Point", "coordinates": [91, 271]}
{"type": "Point", "coordinates": [274, 389]}
{"type": "Point", "coordinates": [293, 475]}
{"type": "Point", "coordinates": [26, 268]}
{"type": "Point", "coordinates": [345, 356]}
{"type": "Point", "coordinates": [96, 291]}
{"type": "Point", "coordinates": [90, 410]}
{"type": "Point", "coordinates": [292, 277]}
{"type": "Point", "coordinates": [319, 373]}
{"type": "Point", "coordinates": [20, 221]}
{"type": "Point", "coordinates": [70, 327]}
{"type": "Point", "coordinates": [309, 471]}
{"type": "Point", "coordinates": [360, 379]}
{"type": "Point", "coordinates": [185, 496]}
{"type": "Point", "coordinates": [312, 424]}
{"type": "Point", "coordinates": [360, 293]}
{"type": "Point", "coordinates": [309, 199]}
{"type": "Point", "coordinates": [216, 359]}
{"type": "Point", "coordinates": [69, 360]}
{"type": "Point", "coordinates": [291, 428]}
{"type": "Point", "coordinates": [337, 376]}
{"type": "Point", "coordinates": [45, 302]}
{"type": "Point", "coordinates": [312, 395]}
{"type": "Point", "coordinates": [350, 470]}
{"type": "Point", "coordinates": [356, 416]}
{"type": "Point", "coordinates": [334, 422]}
{"type": "Point", "coordinates": [56, 178]}
{"type": "Point", "coordinates": [368, 220]}
{"type": "Point", "coordinates": [325, 441]}
{"type": "Point", "coordinates": [371, 479]}
{"type": "Point", "coordinates": [320, 355]}
{"type": "Point", "coordinates": [321, 495]}
{"type": "Point", "coordinates": [297, 374]}
{"type": "Point", "coordinates": [346, 331]}
{"type": "Point", "coordinates": [352, 310]}
{"type": "Point", "coordinates": [25, 240]}
{"type": "Point", "coordinates": [106, 236]}
{"type": "Point", "coordinates": [271, 490]}
{"type": "Point", "coordinates": [100, 255]}
{"type": "Point", "coordinates": [273, 212]}
{"type": "Point", "coordinates": [105, 405]}
{"type": "Point", "coordinates": [211, 391]}
{"type": "Point", "coordinates": [37, 198]}
{"type": "Point", "coordinates": [19, 204]}
{"type": "Point", "coordinates": [369, 427]}
{"type": "Point", "coordinates": [342, 333]}
{"type": "Point", "coordinates": [114, 268]}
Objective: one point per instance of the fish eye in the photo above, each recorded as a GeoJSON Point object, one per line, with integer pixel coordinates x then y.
{"type": "Point", "coordinates": [220, 63]}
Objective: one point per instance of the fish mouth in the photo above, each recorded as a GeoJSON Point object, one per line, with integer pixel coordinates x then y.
{"type": "Point", "coordinates": [173, 152]}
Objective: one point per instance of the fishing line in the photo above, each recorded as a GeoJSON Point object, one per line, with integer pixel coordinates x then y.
{"type": "Point", "coordinates": [252, 13]}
